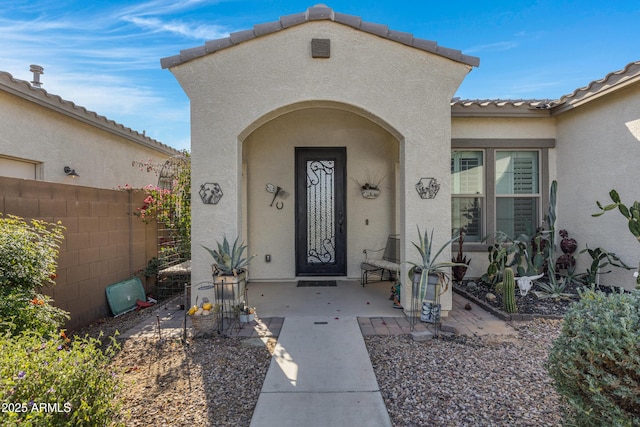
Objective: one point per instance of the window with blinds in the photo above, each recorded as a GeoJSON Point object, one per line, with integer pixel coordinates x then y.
{"type": "Point", "coordinates": [467, 192]}
{"type": "Point", "coordinates": [517, 192]}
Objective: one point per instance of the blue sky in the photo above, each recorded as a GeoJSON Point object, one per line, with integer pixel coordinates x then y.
{"type": "Point", "coordinates": [105, 55]}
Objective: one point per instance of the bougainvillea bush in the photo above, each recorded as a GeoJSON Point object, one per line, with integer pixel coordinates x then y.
{"type": "Point", "coordinates": [595, 362]}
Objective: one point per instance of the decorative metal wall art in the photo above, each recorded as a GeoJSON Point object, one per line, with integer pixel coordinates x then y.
{"type": "Point", "coordinates": [427, 188]}
{"type": "Point", "coordinates": [210, 193]}
{"type": "Point", "coordinates": [277, 191]}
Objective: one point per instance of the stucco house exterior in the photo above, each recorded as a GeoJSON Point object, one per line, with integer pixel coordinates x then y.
{"type": "Point", "coordinates": [317, 103]}
{"type": "Point", "coordinates": [41, 134]}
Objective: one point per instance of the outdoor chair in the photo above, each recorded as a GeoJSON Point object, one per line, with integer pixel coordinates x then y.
{"type": "Point", "coordinates": [373, 265]}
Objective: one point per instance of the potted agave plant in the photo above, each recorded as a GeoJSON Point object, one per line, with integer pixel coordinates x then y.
{"type": "Point", "coordinates": [430, 277]}
{"type": "Point", "coordinates": [230, 268]}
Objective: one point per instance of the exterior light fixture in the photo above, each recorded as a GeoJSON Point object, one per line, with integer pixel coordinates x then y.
{"type": "Point", "coordinates": [70, 172]}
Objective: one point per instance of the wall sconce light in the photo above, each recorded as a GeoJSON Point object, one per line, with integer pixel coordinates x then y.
{"type": "Point", "coordinates": [70, 172]}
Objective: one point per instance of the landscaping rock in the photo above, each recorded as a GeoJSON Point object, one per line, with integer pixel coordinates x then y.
{"type": "Point", "coordinates": [422, 336]}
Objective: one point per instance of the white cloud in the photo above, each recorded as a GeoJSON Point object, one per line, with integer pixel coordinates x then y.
{"type": "Point", "coordinates": [200, 32]}
{"type": "Point", "coordinates": [164, 7]}
{"type": "Point", "coordinates": [493, 47]}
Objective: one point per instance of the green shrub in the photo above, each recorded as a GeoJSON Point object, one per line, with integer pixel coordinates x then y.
{"type": "Point", "coordinates": [28, 253]}
{"type": "Point", "coordinates": [56, 382]}
{"type": "Point", "coordinates": [595, 362]}
{"type": "Point", "coordinates": [22, 310]}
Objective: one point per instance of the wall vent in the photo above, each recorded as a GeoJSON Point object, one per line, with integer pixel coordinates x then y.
{"type": "Point", "coordinates": [320, 48]}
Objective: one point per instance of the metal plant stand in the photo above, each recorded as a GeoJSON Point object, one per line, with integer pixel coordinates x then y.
{"type": "Point", "coordinates": [427, 307]}
{"type": "Point", "coordinates": [228, 317]}
{"type": "Point", "coordinates": [414, 313]}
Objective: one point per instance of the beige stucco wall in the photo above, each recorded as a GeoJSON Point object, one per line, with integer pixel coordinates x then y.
{"type": "Point", "coordinates": [235, 91]}
{"type": "Point", "coordinates": [598, 149]}
{"type": "Point", "coordinates": [502, 127]}
{"type": "Point", "coordinates": [270, 151]}
{"type": "Point", "coordinates": [54, 140]}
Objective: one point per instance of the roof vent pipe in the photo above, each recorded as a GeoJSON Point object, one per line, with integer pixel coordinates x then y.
{"type": "Point", "coordinates": [36, 70]}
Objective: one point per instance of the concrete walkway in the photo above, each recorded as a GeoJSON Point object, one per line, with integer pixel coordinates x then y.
{"type": "Point", "coordinates": [320, 373]}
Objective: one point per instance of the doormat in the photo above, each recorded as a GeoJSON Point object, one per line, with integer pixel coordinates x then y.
{"type": "Point", "coordinates": [310, 283]}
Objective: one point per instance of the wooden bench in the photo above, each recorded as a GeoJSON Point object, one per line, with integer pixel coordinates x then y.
{"type": "Point", "coordinates": [389, 262]}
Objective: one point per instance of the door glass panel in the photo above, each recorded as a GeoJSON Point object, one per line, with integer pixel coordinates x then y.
{"type": "Point", "coordinates": [320, 212]}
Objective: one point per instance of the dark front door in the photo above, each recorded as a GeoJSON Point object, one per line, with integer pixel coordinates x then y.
{"type": "Point", "coordinates": [321, 226]}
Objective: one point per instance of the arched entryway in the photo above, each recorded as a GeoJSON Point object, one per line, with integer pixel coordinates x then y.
{"type": "Point", "coordinates": [276, 222]}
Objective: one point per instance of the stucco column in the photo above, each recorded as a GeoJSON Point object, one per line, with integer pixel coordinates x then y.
{"type": "Point", "coordinates": [426, 156]}
{"type": "Point", "coordinates": [211, 222]}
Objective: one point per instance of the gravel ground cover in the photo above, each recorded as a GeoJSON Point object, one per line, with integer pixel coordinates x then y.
{"type": "Point", "coordinates": [209, 382]}
{"type": "Point", "coordinates": [109, 326]}
{"type": "Point", "coordinates": [212, 381]}
{"type": "Point", "coordinates": [450, 381]}
{"type": "Point", "coordinates": [461, 381]}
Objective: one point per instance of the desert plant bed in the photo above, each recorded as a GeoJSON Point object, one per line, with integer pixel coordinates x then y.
{"type": "Point", "coordinates": [528, 306]}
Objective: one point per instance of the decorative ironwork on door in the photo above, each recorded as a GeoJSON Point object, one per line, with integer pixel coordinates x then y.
{"type": "Point", "coordinates": [321, 226]}
{"type": "Point", "coordinates": [321, 245]}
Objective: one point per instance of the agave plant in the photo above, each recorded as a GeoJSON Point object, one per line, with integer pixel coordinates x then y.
{"type": "Point", "coordinates": [429, 266]}
{"type": "Point", "coordinates": [554, 289]}
{"type": "Point", "coordinates": [229, 261]}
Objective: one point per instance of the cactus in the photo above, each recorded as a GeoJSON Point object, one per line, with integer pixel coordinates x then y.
{"type": "Point", "coordinates": [631, 213]}
{"type": "Point", "coordinates": [509, 291]}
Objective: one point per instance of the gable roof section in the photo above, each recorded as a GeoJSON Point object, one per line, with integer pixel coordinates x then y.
{"type": "Point", "coordinates": [316, 13]}
{"type": "Point", "coordinates": [545, 107]}
{"type": "Point", "coordinates": [26, 91]}
{"type": "Point", "coordinates": [610, 83]}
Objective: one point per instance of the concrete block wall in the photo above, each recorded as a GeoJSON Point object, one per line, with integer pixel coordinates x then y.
{"type": "Point", "coordinates": [104, 243]}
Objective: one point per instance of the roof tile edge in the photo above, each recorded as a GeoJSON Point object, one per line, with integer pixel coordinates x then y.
{"type": "Point", "coordinates": [316, 13]}
{"type": "Point", "coordinates": [596, 88]}
{"type": "Point", "coordinates": [25, 90]}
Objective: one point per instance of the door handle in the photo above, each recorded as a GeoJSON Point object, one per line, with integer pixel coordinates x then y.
{"type": "Point", "coordinates": [340, 220]}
